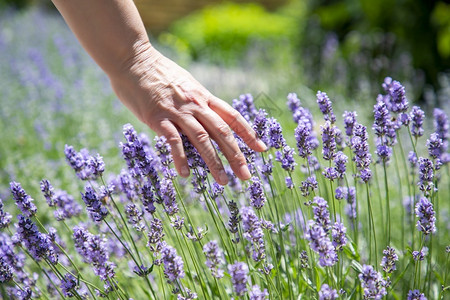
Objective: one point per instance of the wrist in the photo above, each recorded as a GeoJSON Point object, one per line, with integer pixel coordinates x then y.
{"type": "Point", "coordinates": [138, 63]}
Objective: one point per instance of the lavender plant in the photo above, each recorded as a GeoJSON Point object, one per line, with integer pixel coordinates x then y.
{"type": "Point", "coordinates": [323, 216]}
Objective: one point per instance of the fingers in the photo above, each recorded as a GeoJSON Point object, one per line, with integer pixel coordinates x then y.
{"type": "Point", "coordinates": [222, 135]}
{"type": "Point", "coordinates": [237, 122]}
{"type": "Point", "coordinates": [200, 138]}
{"type": "Point", "coordinates": [167, 129]}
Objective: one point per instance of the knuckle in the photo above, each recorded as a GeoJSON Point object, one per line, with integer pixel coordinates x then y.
{"type": "Point", "coordinates": [223, 131]}
{"type": "Point", "coordinates": [202, 137]}
{"type": "Point", "coordinates": [237, 158]}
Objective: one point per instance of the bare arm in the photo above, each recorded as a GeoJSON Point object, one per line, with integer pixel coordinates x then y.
{"type": "Point", "coordinates": [158, 91]}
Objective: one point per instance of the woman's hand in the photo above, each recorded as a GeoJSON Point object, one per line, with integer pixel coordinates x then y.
{"type": "Point", "coordinates": [169, 100]}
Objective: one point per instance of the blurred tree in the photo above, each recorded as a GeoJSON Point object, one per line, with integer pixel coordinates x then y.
{"type": "Point", "coordinates": [421, 27]}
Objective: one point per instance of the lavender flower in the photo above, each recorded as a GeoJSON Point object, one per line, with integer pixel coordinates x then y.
{"type": "Point", "coordinates": [93, 250]}
{"type": "Point", "coordinates": [68, 285]}
{"type": "Point", "coordinates": [397, 101]}
{"type": "Point", "coordinates": [388, 260]}
{"type": "Point", "coordinates": [23, 201]}
{"type": "Point", "coordinates": [338, 233]}
{"type": "Point", "coordinates": [327, 293]}
{"type": "Point", "coordinates": [5, 217]}
{"type": "Point", "coordinates": [155, 235]}
{"type": "Point", "coordinates": [289, 183]}
{"type": "Point", "coordinates": [416, 295]}
{"type": "Point", "coordinates": [326, 107]}
{"type": "Point", "coordinates": [253, 232]}
{"type": "Point", "coordinates": [372, 282]}
{"type": "Point", "coordinates": [239, 277]}
{"type": "Point", "coordinates": [276, 139]}
{"type": "Point", "coordinates": [97, 211]}
{"type": "Point", "coordinates": [177, 222]}
{"type": "Point", "coordinates": [303, 138]}
{"type": "Point", "coordinates": [6, 272]}
{"type": "Point", "coordinates": [235, 217]}
{"type": "Point", "coordinates": [349, 122]}
{"type": "Point", "coordinates": [434, 145]}
{"type": "Point", "coordinates": [321, 213]}
{"type": "Point", "coordinates": [420, 255]}
{"type": "Point", "coordinates": [329, 140]}
{"type": "Point", "coordinates": [66, 205]}
{"type": "Point", "coordinates": [38, 244]}
{"type": "Point", "coordinates": [173, 264]}
{"type": "Point", "coordinates": [163, 150]}
{"type": "Point", "coordinates": [245, 106]}
{"type": "Point", "coordinates": [48, 191]}
{"type": "Point", "coordinates": [360, 148]}
{"type": "Point", "coordinates": [425, 213]}
{"type": "Point", "coordinates": [340, 161]}
{"type": "Point", "coordinates": [286, 158]}
{"type": "Point", "coordinates": [134, 216]}
{"type": "Point", "coordinates": [309, 185]}
{"type": "Point", "coordinates": [85, 166]}
{"type": "Point", "coordinates": [257, 294]}
{"type": "Point", "coordinates": [417, 115]}
{"type": "Point", "coordinates": [261, 126]}
{"type": "Point", "coordinates": [257, 197]}
{"type": "Point", "coordinates": [214, 258]}
{"type": "Point", "coordinates": [320, 243]}
{"type": "Point", "coordinates": [426, 175]}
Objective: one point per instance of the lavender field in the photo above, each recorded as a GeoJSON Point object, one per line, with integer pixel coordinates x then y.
{"type": "Point", "coordinates": [350, 201]}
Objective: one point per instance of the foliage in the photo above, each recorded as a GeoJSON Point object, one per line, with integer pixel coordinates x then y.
{"type": "Point", "coordinates": [223, 33]}
{"type": "Point", "coordinates": [315, 238]}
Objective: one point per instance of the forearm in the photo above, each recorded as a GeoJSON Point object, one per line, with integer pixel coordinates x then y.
{"type": "Point", "coordinates": [111, 31]}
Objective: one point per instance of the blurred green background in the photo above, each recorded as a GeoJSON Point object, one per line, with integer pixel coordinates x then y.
{"type": "Point", "coordinates": [347, 46]}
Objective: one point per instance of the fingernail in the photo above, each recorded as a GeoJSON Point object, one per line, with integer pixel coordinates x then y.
{"type": "Point", "coordinates": [223, 177]}
{"type": "Point", "coordinates": [184, 171]}
{"type": "Point", "coordinates": [262, 145]}
{"type": "Point", "coordinates": [245, 173]}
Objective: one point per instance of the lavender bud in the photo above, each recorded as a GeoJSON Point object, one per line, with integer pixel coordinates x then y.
{"type": "Point", "coordinates": [416, 295]}
{"type": "Point", "coordinates": [327, 293]}
{"type": "Point", "coordinates": [388, 260]}
{"type": "Point", "coordinates": [239, 277]}
{"type": "Point", "coordinates": [372, 282]}
{"type": "Point", "coordinates": [23, 201]}
{"type": "Point", "coordinates": [417, 115]}
{"type": "Point", "coordinates": [325, 107]}
{"type": "Point", "coordinates": [214, 258]}
{"type": "Point", "coordinates": [426, 215]}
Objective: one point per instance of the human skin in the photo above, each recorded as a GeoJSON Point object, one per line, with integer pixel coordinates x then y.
{"type": "Point", "coordinates": [158, 91]}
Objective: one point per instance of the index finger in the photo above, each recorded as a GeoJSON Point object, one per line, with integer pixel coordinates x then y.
{"type": "Point", "coordinates": [237, 122]}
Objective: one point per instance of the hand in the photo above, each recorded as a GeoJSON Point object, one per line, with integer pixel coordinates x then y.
{"type": "Point", "coordinates": [169, 100]}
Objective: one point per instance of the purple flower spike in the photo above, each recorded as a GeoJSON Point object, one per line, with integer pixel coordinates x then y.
{"type": "Point", "coordinates": [68, 285]}
{"type": "Point", "coordinates": [327, 293]}
{"type": "Point", "coordinates": [257, 197]}
{"type": "Point", "coordinates": [94, 206]}
{"type": "Point", "coordinates": [257, 294]}
{"type": "Point", "coordinates": [349, 122]}
{"type": "Point", "coordinates": [173, 264]}
{"type": "Point", "coordinates": [325, 107]}
{"type": "Point", "coordinates": [338, 233]}
{"type": "Point", "coordinates": [434, 145]}
{"type": "Point", "coordinates": [303, 138]}
{"type": "Point", "coordinates": [426, 175]}
{"type": "Point", "coordinates": [286, 157]}
{"type": "Point", "coordinates": [6, 272]}
{"type": "Point", "coordinates": [5, 217]}
{"type": "Point", "coordinates": [276, 139]}
{"type": "Point", "coordinates": [320, 243]}
{"type": "Point", "coordinates": [321, 213]}
{"type": "Point", "coordinates": [372, 282]}
{"type": "Point", "coordinates": [417, 115]}
{"type": "Point", "coordinates": [239, 277]}
{"type": "Point", "coordinates": [389, 259]}
{"type": "Point", "coordinates": [416, 295]}
{"type": "Point", "coordinates": [23, 201]}
{"type": "Point", "coordinates": [214, 258]}
{"type": "Point", "coordinates": [253, 232]}
{"type": "Point", "coordinates": [426, 215]}
{"type": "Point", "coordinates": [329, 140]}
